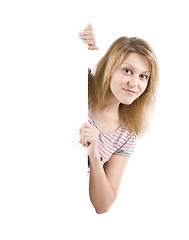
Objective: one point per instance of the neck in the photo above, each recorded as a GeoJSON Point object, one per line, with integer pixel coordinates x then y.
{"type": "Point", "coordinates": [109, 108]}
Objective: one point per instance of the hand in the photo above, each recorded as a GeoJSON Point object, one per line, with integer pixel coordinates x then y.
{"type": "Point", "coordinates": [89, 138]}
{"type": "Point", "coordinates": [88, 37]}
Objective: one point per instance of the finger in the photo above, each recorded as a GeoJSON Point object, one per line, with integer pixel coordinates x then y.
{"type": "Point", "coordinates": [88, 125]}
{"type": "Point", "coordinates": [90, 42]}
{"type": "Point", "coordinates": [89, 26]}
{"type": "Point", "coordinates": [83, 143]}
{"type": "Point", "coordinates": [88, 140]}
{"type": "Point", "coordinates": [87, 32]}
{"type": "Point", "coordinates": [81, 128]}
{"type": "Point", "coordinates": [85, 125]}
{"type": "Point", "coordinates": [82, 136]}
{"type": "Point", "coordinates": [92, 47]}
{"type": "Point", "coordinates": [86, 132]}
{"type": "Point", "coordinates": [87, 37]}
{"type": "Point", "coordinates": [80, 140]}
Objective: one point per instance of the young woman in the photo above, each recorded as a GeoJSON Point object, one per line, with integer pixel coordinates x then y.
{"type": "Point", "coordinates": [121, 93]}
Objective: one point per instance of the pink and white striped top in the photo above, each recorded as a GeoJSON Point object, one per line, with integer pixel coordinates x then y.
{"type": "Point", "coordinates": [122, 141]}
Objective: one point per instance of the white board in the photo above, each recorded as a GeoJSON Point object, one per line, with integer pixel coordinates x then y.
{"type": "Point", "coordinates": [43, 102]}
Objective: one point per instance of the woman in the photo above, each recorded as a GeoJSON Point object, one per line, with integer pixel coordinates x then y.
{"type": "Point", "coordinates": [121, 93]}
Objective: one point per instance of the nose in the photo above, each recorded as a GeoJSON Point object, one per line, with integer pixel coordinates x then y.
{"type": "Point", "coordinates": [133, 82]}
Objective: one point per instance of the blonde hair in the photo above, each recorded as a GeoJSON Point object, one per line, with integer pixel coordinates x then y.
{"type": "Point", "coordinates": [136, 115]}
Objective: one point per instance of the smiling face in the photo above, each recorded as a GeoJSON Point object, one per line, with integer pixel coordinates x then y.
{"type": "Point", "coordinates": [130, 79]}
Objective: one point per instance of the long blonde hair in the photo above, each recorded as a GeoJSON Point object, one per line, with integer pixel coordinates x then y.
{"type": "Point", "coordinates": [136, 115]}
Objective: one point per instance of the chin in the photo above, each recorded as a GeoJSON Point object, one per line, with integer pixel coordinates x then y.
{"type": "Point", "coordinates": [127, 102]}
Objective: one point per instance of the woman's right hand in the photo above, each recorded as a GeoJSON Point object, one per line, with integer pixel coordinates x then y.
{"type": "Point", "coordinates": [88, 37]}
{"type": "Point", "coordinates": [89, 136]}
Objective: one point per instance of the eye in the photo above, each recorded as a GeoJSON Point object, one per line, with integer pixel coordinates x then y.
{"type": "Point", "coordinates": [144, 77]}
{"type": "Point", "coordinates": [127, 71]}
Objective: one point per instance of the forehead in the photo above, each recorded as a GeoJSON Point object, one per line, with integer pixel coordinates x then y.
{"type": "Point", "coordinates": [137, 61]}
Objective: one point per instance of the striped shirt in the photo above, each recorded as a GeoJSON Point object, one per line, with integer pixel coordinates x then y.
{"type": "Point", "coordinates": [122, 141]}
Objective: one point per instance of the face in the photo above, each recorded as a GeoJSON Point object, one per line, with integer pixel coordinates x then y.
{"type": "Point", "coordinates": [130, 79]}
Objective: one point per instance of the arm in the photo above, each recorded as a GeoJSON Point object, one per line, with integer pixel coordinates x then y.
{"type": "Point", "coordinates": [104, 180]}
{"type": "Point", "coordinates": [88, 37]}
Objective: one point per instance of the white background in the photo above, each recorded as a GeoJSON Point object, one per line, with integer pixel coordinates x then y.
{"type": "Point", "coordinates": [43, 102]}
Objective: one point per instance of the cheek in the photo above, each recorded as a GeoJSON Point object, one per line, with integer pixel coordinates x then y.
{"type": "Point", "coordinates": [113, 89]}
{"type": "Point", "coordinates": [143, 86]}
{"type": "Point", "coordinates": [116, 80]}
{"type": "Point", "coordinates": [113, 83]}
{"type": "Point", "coordinates": [142, 89]}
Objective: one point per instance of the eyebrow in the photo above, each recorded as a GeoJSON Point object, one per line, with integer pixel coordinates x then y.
{"type": "Point", "coordinates": [133, 67]}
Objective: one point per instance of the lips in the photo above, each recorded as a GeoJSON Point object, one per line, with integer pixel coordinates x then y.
{"type": "Point", "coordinates": [129, 91]}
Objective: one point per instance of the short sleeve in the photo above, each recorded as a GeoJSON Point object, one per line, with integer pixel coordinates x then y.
{"type": "Point", "coordinates": [128, 147]}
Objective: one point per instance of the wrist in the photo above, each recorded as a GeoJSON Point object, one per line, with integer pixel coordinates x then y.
{"type": "Point", "coordinates": [95, 158]}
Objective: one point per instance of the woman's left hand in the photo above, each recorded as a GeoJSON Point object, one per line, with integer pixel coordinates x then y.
{"type": "Point", "coordinates": [89, 138]}
{"type": "Point", "coordinates": [88, 37]}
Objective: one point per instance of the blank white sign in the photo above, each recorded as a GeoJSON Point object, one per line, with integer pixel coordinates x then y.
{"type": "Point", "coordinates": [43, 102]}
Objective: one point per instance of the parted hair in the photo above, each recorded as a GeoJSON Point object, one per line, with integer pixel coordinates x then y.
{"type": "Point", "coordinates": [136, 115]}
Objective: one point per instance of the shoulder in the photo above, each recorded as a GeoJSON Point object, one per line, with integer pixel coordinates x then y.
{"type": "Point", "coordinates": [128, 142]}
{"type": "Point", "coordinates": [127, 134]}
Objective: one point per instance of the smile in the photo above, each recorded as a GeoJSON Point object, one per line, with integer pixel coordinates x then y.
{"type": "Point", "coordinates": [129, 91]}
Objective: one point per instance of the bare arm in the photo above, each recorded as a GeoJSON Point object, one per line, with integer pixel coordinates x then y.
{"type": "Point", "coordinates": [105, 181]}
